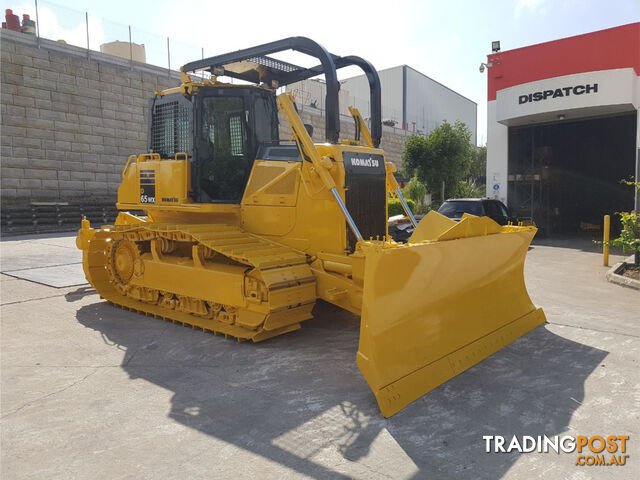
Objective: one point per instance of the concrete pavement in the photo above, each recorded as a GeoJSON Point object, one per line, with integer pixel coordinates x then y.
{"type": "Point", "coordinates": [93, 391]}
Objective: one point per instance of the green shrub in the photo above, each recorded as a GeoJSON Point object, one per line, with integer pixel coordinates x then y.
{"type": "Point", "coordinates": [629, 238]}
{"type": "Point", "coordinates": [415, 190]}
{"type": "Point", "coordinates": [469, 189]}
{"type": "Point", "coordinates": [395, 207]}
{"type": "Point", "coordinates": [421, 209]}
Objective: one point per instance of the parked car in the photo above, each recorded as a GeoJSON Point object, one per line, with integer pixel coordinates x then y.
{"type": "Point", "coordinates": [454, 208]}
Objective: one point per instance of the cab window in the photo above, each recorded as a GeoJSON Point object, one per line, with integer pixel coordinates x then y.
{"type": "Point", "coordinates": [266, 120]}
{"type": "Point", "coordinates": [223, 148]}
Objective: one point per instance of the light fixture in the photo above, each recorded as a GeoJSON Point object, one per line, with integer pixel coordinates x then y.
{"type": "Point", "coordinates": [495, 46]}
{"type": "Point", "coordinates": [485, 65]}
{"type": "Point", "coordinates": [561, 116]}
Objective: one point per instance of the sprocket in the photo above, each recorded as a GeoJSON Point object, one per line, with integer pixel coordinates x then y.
{"type": "Point", "coordinates": [123, 256]}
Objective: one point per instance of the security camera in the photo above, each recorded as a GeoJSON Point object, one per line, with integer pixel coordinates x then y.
{"type": "Point", "coordinates": [485, 65]}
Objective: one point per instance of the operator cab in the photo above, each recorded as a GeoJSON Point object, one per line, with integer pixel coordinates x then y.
{"type": "Point", "coordinates": [220, 128]}
{"type": "Point", "coordinates": [230, 125]}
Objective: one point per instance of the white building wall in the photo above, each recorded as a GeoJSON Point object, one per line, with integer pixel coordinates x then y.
{"type": "Point", "coordinates": [497, 155]}
{"type": "Point", "coordinates": [391, 81]}
{"type": "Point", "coordinates": [314, 92]}
{"type": "Point", "coordinates": [615, 93]}
{"type": "Point", "coordinates": [637, 200]}
{"type": "Point", "coordinates": [429, 103]}
{"type": "Point", "coordinates": [618, 91]}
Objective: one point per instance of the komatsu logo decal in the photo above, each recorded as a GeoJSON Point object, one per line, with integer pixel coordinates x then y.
{"type": "Point", "coordinates": [558, 92]}
{"type": "Point", "coordinates": [365, 162]}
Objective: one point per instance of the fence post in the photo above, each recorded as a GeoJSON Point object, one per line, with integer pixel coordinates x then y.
{"type": "Point", "coordinates": [86, 21]}
{"type": "Point", "coordinates": [168, 59]}
{"type": "Point", "coordinates": [130, 49]}
{"type": "Point", "coordinates": [37, 25]}
{"type": "Point", "coordinates": [605, 240]}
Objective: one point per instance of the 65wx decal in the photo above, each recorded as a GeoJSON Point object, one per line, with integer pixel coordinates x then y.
{"type": "Point", "coordinates": [147, 186]}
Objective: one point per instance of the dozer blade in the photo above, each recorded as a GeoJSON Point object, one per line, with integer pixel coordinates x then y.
{"type": "Point", "coordinates": [432, 309]}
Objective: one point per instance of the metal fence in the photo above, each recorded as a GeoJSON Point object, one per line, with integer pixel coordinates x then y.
{"type": "Point", "coordinates": [86, 30]}
{"type": "Point", "coordinates": [94, 33]}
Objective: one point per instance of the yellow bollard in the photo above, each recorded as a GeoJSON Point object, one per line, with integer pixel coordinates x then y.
{"type": "Point", "coordinates": [605, 240]}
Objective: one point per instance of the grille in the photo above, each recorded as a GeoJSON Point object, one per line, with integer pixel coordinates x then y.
{"type": "Point", "coordinates": [274, 64]}
{"type": "Point", "coordinates": [171, 129]}
{"type": "Point", "coordinates": [365, 198]}
{"type": "Point", "coordinates": [235, 130]}
{"type": "Point", "coordinates": [366, 202]}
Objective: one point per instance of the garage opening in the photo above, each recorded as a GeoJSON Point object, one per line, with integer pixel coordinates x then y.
{"type": "Point", "coordinates": [566, 175]}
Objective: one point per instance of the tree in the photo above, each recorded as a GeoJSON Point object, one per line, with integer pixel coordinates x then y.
{"type": "Point", "coordinates": [478, 166]}
{"type": "Point", "coordinates": [445, 155]}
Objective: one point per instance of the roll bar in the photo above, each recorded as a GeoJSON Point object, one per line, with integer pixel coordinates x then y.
{"type": "Point", "coordinates": [300, 44]}
{"type": "Point", "coordinates": [253, 65]}
{"type": "Point", "coordinates": [374, 93]}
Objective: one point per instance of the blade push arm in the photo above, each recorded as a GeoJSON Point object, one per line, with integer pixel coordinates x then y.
{"type": "Point", "coordinates": [394, 189]}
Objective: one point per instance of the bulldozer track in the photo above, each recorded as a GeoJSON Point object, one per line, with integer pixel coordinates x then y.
{"type": "Point", "coordinates": [275, 291]}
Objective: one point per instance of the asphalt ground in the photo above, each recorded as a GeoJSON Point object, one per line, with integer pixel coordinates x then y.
{"type": "Point", "coordinates": [92, 391]}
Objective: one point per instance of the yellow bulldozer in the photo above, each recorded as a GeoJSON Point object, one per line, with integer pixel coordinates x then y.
{"type": "Point", "coordinates": [242, 233]}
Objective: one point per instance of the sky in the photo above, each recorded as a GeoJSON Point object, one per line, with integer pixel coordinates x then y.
{"type": "Point", "coordinates": [444, 39]}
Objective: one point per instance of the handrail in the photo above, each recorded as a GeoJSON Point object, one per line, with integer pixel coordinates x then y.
{"type": "Point", "coordinates": [361, 127]}
{"type": "Point", "coordinates": [126, 166]}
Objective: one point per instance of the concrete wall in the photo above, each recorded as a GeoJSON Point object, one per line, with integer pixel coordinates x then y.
{"type": "Point", "coordinates": [70, 119]}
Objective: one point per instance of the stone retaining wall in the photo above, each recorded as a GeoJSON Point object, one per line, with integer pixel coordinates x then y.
{"type": "Point", "coordinates": [71, 117]}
